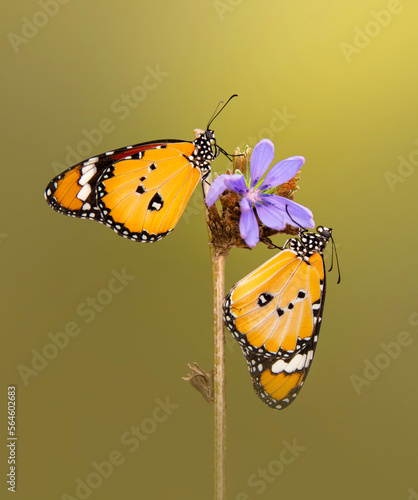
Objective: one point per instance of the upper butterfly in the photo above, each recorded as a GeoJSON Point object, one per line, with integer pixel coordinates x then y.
{"type": "Point", "coordinates": [139, 191]}
{"type": "Point", "coordinates": [275, 314]}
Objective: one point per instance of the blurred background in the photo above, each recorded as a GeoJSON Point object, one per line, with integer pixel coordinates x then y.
{"type": "Point", "coordinates": [97, 330]}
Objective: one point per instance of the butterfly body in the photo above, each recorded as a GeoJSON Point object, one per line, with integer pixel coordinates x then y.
{"type": "Point", "coordinates": [275, 315]}
{"type": "Point", "coordinates": [139, 191]}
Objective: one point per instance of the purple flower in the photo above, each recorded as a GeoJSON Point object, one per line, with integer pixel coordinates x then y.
{"type": "Point", "coordinates": [273, 211]}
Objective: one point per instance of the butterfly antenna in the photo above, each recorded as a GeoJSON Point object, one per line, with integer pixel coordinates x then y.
{"type": "Point", "coordinates": [334, 249]}
{"type": "Point", "coordinates": [332, 259]}
{"type": "Point", "coordinates": [297, 223]}
{"type": "Point", "coordinates": [216, 112]}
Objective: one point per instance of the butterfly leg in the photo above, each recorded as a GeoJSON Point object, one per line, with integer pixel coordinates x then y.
{"type": "Point", "coordinates": [205, 187]}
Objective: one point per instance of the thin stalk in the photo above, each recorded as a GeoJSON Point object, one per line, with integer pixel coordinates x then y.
{"type": "Point", "coordinates": [218, 278]}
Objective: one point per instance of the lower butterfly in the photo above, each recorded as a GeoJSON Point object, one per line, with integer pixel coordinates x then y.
{"type": "Point", "coordinates": [275, 314]}
{"type": "Point", "coordinates": [139, 191]}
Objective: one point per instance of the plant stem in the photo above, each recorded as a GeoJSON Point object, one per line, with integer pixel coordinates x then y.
{"type": "Point", "coordinates": [218, 278]}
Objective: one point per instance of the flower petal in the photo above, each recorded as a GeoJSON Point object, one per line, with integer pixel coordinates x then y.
{"type": "Point", "coordinates": [282, 172]}
{"type": "Point", "coordinates": [234, 182]}
{"type": "Point", "coordinates": [216, 189]}
{"type": "Point", "coordinates": [261, 158]}
{"type": "Point", "coordinates": [294, 215]}
{"type": "Point", "coordinates": [271, 216]}
{"type": "Point", "coordinates": [248, 226]}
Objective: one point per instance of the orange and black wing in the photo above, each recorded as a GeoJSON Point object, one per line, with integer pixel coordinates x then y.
{"type": "Point", "coordinates": [276, 380]}
{"type": "Point", "coordinates": [139, 191]}
{"type": "Point", "coordinates": [275, 314]}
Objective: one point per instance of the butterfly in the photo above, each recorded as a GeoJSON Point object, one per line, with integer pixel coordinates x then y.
{"type": "Point", "coordinates": [139, 191]}
{"type": "Point", "coordinates": [275, 314]}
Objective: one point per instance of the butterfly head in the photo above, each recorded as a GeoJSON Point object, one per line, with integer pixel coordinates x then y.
{"type": "Point", "coordinates": [325, 232]}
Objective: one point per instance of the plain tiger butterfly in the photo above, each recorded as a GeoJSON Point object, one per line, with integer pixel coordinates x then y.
{"type": "Point", "coordinates": [139, 191]}
{"type": "Point", "coordinates": [275, 314]}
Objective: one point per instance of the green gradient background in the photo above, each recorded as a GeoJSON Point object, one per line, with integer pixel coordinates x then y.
{"type": "Point", "coordinates": [351, 120]}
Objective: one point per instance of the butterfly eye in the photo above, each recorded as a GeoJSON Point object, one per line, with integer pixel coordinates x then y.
{"type": "Point", "coordinates": [210, 136]}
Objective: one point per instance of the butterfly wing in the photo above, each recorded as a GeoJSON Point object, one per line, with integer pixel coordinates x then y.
{"type": "Point", "coordinates": [139, 191]}
{"type": "Point", "coordinates": [275, 314]}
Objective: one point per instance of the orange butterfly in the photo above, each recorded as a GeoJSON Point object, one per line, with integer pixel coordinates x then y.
{"type": "Point", "coordinates": [275, 314]}
{"type": "Point", "coordinates": [139, 191]}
